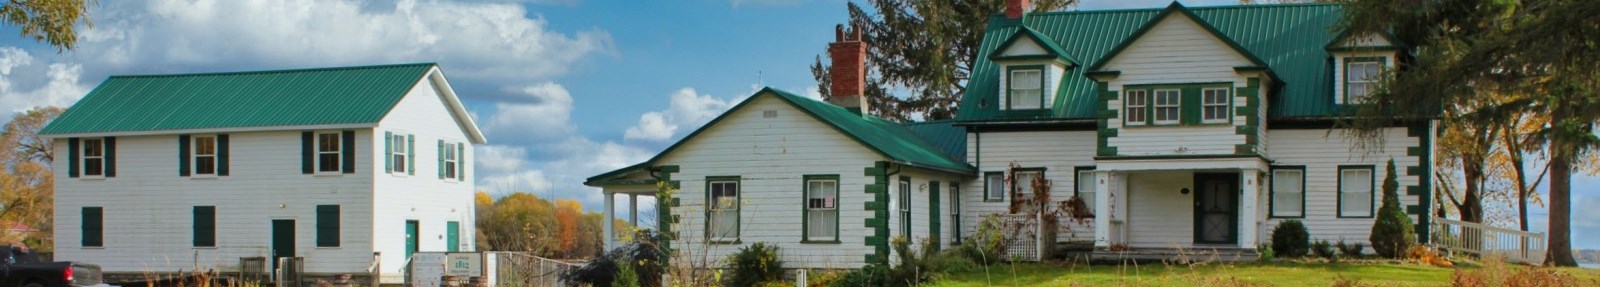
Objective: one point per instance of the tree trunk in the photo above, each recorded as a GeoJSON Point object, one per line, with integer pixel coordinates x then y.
{"type": "Point", "coordinates": [1562, 154]}
{"type": "Point", "coordinates": [1471, 207]}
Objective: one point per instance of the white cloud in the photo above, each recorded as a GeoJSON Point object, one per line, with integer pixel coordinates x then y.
{"type": "Point", "coordinates": [540, 112]}
{"type": "Point", "coordinates": [494, 41]}
{"type": "Point", "coordinates": [58, 87]}
{"type": "Point", "coordinates": [687, 109]}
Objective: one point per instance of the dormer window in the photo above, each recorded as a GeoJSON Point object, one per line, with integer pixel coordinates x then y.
{"type": "Point", "coordinates": [1026, 88]}
{"type": "Point", "coordinates": [1360, 78]}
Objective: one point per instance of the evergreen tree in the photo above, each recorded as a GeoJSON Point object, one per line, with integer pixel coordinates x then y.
{"type": "Point", "coordinates": [1392, 232]}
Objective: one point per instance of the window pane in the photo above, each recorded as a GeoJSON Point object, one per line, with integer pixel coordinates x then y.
{"type": "Point", "coordinates": [92, 148]}
{"type": "Point", "coordinates": [328, 162]}
{"type": "Point", "coordinates": [328, 142]}
{"type": "Point", "coordinates": [93, 166]}
{"type": "Point", "coordinates": [1086, 188]}
{"type": "Point", "coordinates": [996, 188]}
{"type": "Point", "coordinates": [450, 170]}
{"type": "Point", "coordinates": [1025, 79]}
{"type": "Point", "coordinates": [1025, 182]}
{"type": "Point", "coordinates": [823, 223]}
{"type": "Point", "coordinates": [205, 146]}
{"type": "Point", "coordinates": [205, 165]}
{"type": "Point", "coordinates": [1356, 192]}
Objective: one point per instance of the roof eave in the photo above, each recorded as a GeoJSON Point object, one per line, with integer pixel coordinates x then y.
{"type": "Point", "coordinates": [211, 130]}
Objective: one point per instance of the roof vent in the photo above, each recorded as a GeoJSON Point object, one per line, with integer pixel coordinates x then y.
{"type": "Point", "coordinates": [769, 114]}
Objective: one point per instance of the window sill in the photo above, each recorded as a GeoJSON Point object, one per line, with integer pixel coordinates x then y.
{"type": "Point", "coordinates": [994, 200]}
{"type": "Point", "coordinates": [1302, 216]}
{"type": "Point", "coordinates": [724, 242]}
{"type": "Point", "coordinates": [93, 247]}
{"type": "Point", "coordinates": [399, 174]}
{"type": "Point", "coordinates": [205, 248]}
{"type": "Point", "coordinates": [1355, 217]}
{"type": "Point", "coordinates": [329, 247]}
{"type": "Point", "coordinates": [203, 176]}
{"type": "Point", "coordinates": [92, 177]}
{"type": "Point", "coordinates": [820, 242]}
{"type": "Point", "coordinates": [329, 174]}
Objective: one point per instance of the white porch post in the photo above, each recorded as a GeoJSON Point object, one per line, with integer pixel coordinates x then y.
{"type": "Point", "coordinates": [1250, 192]}
{"type": "Point", "coordinates": [1102, 205]}
{"type": "Point", "coordinates": [633, 210]}
{"type": "Point", "coordinates": [611, 216]}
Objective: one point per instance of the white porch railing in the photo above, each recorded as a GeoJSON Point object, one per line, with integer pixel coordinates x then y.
{"type": "Point", "coordinates": [1483, 240]}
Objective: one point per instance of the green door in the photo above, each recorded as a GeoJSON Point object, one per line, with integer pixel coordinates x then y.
{"type": "Point", "coordinates": [453, 236]}
{"type": "Point", "coordinates": [1216, 208]}
{"type": "Point", "coordinates": [411, 238]}
{"type": "Point", "coordinates": [282, 240]}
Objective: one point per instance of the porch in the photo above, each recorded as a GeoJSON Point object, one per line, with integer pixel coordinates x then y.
{"type": "Point", "coordinates": [1188, 209]}
{"type": "Point", "coordinates": [633, 194]}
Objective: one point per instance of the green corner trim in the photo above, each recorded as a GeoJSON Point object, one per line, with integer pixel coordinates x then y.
{"type": "Point", "coordinates": [664, 208]}
{"type": "Point", "coordinates": [1102, 139]}
{"type": "Point", "coordinates": [878, 220]}
{"type": "Point", "coordinates": [1424, 192]}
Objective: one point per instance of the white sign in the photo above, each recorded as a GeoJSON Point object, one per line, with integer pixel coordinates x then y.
{"type": "Point", "coordinates": [464, 265]}
{"type": "Point", "coordinates": [426, 269]}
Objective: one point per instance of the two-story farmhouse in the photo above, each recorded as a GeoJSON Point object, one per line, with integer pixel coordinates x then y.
{"type": "Point", "coordinates": [340, 166]}
{"type": "Point", "coordinates": [1182, 128]}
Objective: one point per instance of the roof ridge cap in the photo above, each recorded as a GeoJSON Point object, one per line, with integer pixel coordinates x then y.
{"type": "Point", "coordinates": [278, 71]}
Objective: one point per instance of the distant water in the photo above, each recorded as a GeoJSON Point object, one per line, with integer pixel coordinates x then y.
{"type": "Point", "coordinates": [1589, 265]}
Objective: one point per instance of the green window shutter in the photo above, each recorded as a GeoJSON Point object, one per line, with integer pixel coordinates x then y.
{"type": "Point", "coordinates": [1190, 110]}
{"type": "Point", "coordinates": [440, 155]}
{"type": "Point", "coordinates": [72, 157]}
{"type": "Point", "coordinates": [183, 155]}
{"type": "Point", "coordinates": [411, 154]}
{"type": "Point", "coordinates": [327, 226]}
{"type": "Point", "coordinates": [222, 155]}
{"type": "Point", "coordinates": [388, 152]}
{"type": "Point", "coordinates": [111, 156]}
{"type": "Point", "coordinates": [453, 236]}
{"type": "Point", "coordinates": [307, 149]}
{"type": "Point", "coordinates": [461, 162]}
{"type": "Point", "coordinates": [92, 222]}
{"type": "Point", "coordinates": [205, 226]}
{"type": "Point", "coordinates": [349, 148]}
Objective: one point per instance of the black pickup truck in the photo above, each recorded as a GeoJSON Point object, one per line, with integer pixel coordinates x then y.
{"type": "Point", "coordinates": [21, 268]}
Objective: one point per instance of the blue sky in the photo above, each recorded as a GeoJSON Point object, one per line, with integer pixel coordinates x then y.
{"type": "Point", "coordinates": [565, 89]}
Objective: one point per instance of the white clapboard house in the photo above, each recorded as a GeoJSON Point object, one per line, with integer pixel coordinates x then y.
{"type": "Point", "coordinates": [1182, 128]}
{"type": "Point", "coordinates": [340, 166]}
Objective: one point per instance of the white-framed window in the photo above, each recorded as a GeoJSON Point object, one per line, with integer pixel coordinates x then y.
{"type": "Point", "coordinates": [822, 209]}
{"type": "Point", "coordinates": [399, 152]}
{"type": "Point", "coordinates": [955, 213]}
{"type": "Point", "coordinates": [1355, 192]}
{"type": "Point", "coordinates": [1360, 77]}
{"type": "Point", "coordinates": [905, 206]}
{"type": "Point", "coordinates": [1023, 180]}
{"type": "Point", "coordinates": [994, 186]}
{"type": "Point", "coordinates": [94, 157]}
{"type": "Point", "coordinates": [1086, 188]}
{"type": "Point", "coordinates": [205, 155]}
{"type": "Point", "coordinates": [1214, 105]}
{"type": "Point", "coordinates": [330, 156]}
{"type": "Point", "coordinates": [1288, 192]}
{"type": "Point", "coordinates": [452, 161]}
{"type": "Point", "coordinates": [1026, 89]}
{"type": "Point", "coordinates": [1136, 103]}
{"type": "Point", "coordinates": [1166, 107]}
{"type": "Point", "coordinates": [724, 209]}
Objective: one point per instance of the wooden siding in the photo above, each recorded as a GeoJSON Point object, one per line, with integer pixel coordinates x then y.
{"type": "Point", "coordinates": [148, 206]}
{"type": "Point", "coordinates": [1176, 51]}
{"type": "Point", "coordinates": [1321, 152]}
{"type": "Point", "coordinates": [1059, 152]}
{"type": "Point", "coordinates": [771, 156]}
{"type": "Point", "coordinates": [421, 196]}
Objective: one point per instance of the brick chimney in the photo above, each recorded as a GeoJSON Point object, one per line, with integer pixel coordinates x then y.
{"type": "Point", "coordinates": [1016, 8]}
{"type": "Point", "coordinates": [848, 74]}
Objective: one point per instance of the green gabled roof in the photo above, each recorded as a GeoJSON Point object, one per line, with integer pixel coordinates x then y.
{"type": "Point", "coordinates": [887, 138]}
{"type": "Point", "coordinates": [1175, 9]}
{"type": "Point", "coordinates": [219, 101]}
{"type": "Point", "coordinates": [1288, 38]}
{"type": "Point", "coordinates": [1051, 49]}
{"type": "Point", "coordinates": [944, 136]}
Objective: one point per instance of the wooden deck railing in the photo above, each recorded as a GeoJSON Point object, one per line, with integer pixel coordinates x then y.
{"type": "Point", "coordinates": [1483, 240]}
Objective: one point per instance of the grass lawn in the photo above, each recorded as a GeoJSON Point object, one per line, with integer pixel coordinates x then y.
{"type": "Point", "coordinates": [1274, 274]}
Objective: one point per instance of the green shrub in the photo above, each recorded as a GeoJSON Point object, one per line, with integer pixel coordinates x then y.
{"type": "Point", "coordinates": [625, 276]}
{"type": "Point", "coordinates": [1266, 252]}
{"type": "Point", "coordinates": [754, 264]}
{"type": "Point", "coordinates": [1392, 232]}
{"type": "Point", "coordinates": [953, 261]}
{"type": "Point", "coordinates": [1352, 249]}
{"type": "Point", "coordinates": [914, 267]}
{"type": "Point", "coordinates": [1323, 249]}
{"type": "Point", "coordinates": [988, 243]}
{"type": "Point", "coordinates": [1290, 239]}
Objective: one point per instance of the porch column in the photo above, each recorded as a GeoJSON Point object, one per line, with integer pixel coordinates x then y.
{"type": "Point", "coordinates": [611, 216]}
{"type": "Point", "coordinates": [1250, 192]}
{"type": "Point", "coordinates": [1102, 205]}
{"type": "Point", "coordinates": [633, 210]}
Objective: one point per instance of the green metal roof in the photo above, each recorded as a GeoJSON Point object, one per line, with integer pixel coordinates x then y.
{"type": "Point", "coordinates": [944, 136]}
{"type": "Point", "coordinates": [1289, 38]}
{"type": "Point", "coordinates": [286, 98]}
{"type": "Point", "coordinates": [888, 138]}
{"type": "Point", "coordinates": [1051, 49]}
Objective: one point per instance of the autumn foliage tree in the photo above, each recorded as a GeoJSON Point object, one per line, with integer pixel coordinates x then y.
{"type": "Point", "coordinates": [27, 181]}
{"type": "Point", "coordinates": [526, 223]}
